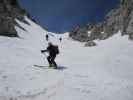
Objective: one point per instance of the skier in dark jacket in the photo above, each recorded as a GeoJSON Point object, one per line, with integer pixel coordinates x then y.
{"type": "Point", "coordinates": [51, 49]}
{"type": "Point", "coordinates": [47, 37]}
{"type": "Point", "coordinates": [60, 39]}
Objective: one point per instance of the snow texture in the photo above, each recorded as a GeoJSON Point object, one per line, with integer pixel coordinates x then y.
{"type": "Point", "coordinates": [103, 72]}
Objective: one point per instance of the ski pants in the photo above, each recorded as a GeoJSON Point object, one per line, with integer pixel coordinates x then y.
{"type": "Point", "coordinates": [51, 60]}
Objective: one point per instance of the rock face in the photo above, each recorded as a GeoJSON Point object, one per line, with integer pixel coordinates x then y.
{"type": "Point", "coordinates": [9, 10]}
{"type": "Point", "coordinates": [90, 44]}
{"type": "Point", "coordinates": [118, 19]}
{"type": "Point", "coordinates": [79, 34]}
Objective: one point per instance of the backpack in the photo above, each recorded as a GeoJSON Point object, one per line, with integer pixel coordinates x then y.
{"type": "Point", "coordinates": [56, 49]}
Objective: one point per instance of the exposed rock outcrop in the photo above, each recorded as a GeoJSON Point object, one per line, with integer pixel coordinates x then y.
{"type": "Point", "coordinates": [118, 19]}
{"type": "Point", "coordinates": [90, 44]}
{"type": "Point", "coordinates": [79, 34]}
{"type": "Point", "coordinates": [9, 10]}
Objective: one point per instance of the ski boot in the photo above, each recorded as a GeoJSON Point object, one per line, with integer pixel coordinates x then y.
{"type": "Point", "coordinates": [50, 65]}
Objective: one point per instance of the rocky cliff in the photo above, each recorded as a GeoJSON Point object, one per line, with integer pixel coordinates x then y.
{"type": "Point", "coordinates": [9, 10]}
{"type": "Point", "coordinates": [118, 19]}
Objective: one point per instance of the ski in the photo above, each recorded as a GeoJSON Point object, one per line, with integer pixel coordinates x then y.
{"type": "Point", "coordinates": [42, 66]}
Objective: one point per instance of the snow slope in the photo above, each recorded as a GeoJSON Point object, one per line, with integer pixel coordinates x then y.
{"type": "Point", "coordinates": [103, 72]}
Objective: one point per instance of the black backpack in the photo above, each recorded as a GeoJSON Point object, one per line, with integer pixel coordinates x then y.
{"type": "Point", "coordinates": [56, 49]}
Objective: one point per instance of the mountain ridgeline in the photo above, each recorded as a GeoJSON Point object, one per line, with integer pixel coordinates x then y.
{"type": "Point", "coordinates": [9, 11]}
{"type": "Point", "coordinates": [118, 19]}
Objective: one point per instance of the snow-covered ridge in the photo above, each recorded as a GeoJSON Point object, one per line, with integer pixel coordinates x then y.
{"type": "Point", "coordinates": [19, 78]}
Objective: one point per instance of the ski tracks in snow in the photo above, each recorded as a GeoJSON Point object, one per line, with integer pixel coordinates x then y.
{"type": "Point", "coordinates": [85, 87]}
{"type": "Point", "coordinates": [46, 94]}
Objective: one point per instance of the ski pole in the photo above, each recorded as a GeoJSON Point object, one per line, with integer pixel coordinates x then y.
{"type": "Point", "coordinates": [43, 52]}
{"type": "Point", "coordinates": [45, 55]}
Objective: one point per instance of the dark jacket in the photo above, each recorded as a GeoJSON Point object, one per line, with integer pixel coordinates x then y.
{"type": "Point", "coordinates": [51, 50]}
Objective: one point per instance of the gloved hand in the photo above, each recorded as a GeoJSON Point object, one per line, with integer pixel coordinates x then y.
{"type": "Point", "coordinates": [42, 51]}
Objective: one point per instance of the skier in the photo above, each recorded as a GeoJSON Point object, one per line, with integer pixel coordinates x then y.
{"type": "Point", "coordinates": [47, 37]}
{"type": "Point", "coordinates": [53, 51]}
{"type": "Point", "coordinates": [60, 39]}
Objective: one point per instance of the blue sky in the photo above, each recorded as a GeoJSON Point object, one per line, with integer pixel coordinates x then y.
{"type": "Point", "coordinates": [63, 15]}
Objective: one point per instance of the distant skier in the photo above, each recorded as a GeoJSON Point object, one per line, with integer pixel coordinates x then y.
{"type": "Point", "coordinates": [60, 39]}
{"type": "Point", "coordinates": [53, 50]}
{"type": "Point", "coordinates": [47, 37]}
